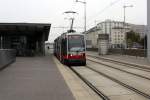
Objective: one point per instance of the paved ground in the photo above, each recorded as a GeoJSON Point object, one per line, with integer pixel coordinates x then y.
{"type": "Point", "coordinates": [33, 79]}
{"type": "Point", "coordinates": [125, 58]}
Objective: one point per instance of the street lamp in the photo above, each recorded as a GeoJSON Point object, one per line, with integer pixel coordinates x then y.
{"type": "Point", "coordinates": [84, 2]}
{"type": "Point", "coordinates": [125, 6]}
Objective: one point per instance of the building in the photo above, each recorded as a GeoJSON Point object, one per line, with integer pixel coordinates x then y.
{"type": "Point", "coordinates": [140, 29]}
{"type": "Point", "coordinates": [92, 37]}
{"type": "Point", "coordinates": [116, 31]}
{"type": "Point", "coordinates": [27, 39]}
{"type": "Point", "coordinates": [49, 48]}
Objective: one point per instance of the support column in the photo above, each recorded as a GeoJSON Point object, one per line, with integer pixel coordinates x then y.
{"type": "Point", "coordinates": [43, 44]}
{"type": "Point", "coordinates": [148, 32]}
{"type": "Point", "coordinates": [37, 47]}
{"type": "Point", "coordinates": [1, 39]}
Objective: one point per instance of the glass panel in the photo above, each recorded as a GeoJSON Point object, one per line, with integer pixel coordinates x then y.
{"type": "Point", "coordinates": [76, 43]}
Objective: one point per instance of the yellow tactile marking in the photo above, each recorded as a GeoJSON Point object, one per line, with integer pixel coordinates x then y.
{"type": "Point", "coordinates": [79, 90]}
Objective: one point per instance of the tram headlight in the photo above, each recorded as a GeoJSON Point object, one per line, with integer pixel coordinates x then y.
{"type": "Point", "coordinates": [70, 55]}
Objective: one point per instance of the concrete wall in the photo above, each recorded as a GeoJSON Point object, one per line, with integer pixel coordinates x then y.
{"type": "Point", "coordinates": [92, 36]}
{"type": "Point", "coordinates": [7, 56]}
{"type": "Point", "coordinates": [88, 43]}
{"type": "Point", "coordinates": [148, 34]}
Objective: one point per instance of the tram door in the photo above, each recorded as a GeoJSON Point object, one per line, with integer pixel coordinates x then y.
{"type": "Point", "coordinates": [64, 47]}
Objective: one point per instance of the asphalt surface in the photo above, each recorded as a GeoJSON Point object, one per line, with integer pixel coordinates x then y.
{"type": "Point", "coordinates": [34, 78]}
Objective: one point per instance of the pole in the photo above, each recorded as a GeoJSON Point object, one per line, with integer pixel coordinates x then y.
{"type": "Point", "coordinates": [71, 26]}
{"type": "Point", "coordinates": [84, 13]}
{"type": "Point", "coordinates": [148, 30]}
{"type": "Point", "coordinates": [125, 24]}
{"type": "Point", "coordinates": [85, 17]}
{"type": "Point", "coordinates": [124, 13]}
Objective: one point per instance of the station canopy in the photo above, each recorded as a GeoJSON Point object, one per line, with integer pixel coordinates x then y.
{"type": "Point", "coordinates": [33, 29]}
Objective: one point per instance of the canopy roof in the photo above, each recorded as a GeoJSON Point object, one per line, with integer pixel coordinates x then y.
{"type": "Point", "coordinates": [33, 29]}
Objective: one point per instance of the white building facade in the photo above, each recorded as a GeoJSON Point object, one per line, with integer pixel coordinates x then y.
{"type": "Point", "coordinates": [116, 31]}
{"type": "Point", "coordinates": [92, 37]}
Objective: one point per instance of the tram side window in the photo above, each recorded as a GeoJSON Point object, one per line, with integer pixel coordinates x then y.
{"type": "Point", "coordinates": [64, 46]}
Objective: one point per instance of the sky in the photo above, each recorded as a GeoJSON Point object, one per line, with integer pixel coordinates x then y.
{"type": "Point", "coordinates": [52, 11]}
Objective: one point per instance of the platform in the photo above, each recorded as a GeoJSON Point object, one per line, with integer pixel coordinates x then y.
{"type": "Point", "coordinates": [33, 78]}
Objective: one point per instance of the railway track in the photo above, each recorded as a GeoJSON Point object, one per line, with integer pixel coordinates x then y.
{"type": "Point", "coordinates": [137, 70]}
{"type": "Point", "coordinates": [146, 95]}
{"type": "Point", "coordinates": [131, 65]}
{"type": "Point", "coordinates": [102, 94]}
{"type": "Point", "coordinates": [121, 83]}
{"type": "Point", "coordinates": [95, 89]}
{"type": "Point", "coordinates": [125, 69]}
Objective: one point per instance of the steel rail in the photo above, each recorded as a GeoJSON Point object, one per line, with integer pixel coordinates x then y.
{"type": "Point", "coordinates": [120, 69]}
{"type": "Point", "coordinates": [139, 67]}
{"type": "Point", "coordinates": [121, 83]}
{"type": "Point", "coordinates": [97, 91]}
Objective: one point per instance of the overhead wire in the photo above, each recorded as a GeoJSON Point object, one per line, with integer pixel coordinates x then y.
{"type": "Point", "coordinates": [103, 10]}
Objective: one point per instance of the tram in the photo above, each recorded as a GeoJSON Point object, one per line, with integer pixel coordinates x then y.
{"type": "Point", "coordinates": [70, 48]}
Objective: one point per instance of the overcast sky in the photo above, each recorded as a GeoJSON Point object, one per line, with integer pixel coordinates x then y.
{"type": "Point", "coordinates": [51, 11]}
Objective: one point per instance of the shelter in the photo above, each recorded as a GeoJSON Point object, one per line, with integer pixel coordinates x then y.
{"type": "Point", "coordinates": [27, 38]}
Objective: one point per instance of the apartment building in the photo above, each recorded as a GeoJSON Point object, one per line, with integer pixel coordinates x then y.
{"type": "Point", "coordinates": [116, 31]}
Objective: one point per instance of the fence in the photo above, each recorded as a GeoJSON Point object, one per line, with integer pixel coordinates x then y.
{"type": "Point", "coordinates": [131, 52]}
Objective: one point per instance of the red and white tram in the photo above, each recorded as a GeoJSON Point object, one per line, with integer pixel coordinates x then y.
{"type": "Point", "coordinates": [70, 48]}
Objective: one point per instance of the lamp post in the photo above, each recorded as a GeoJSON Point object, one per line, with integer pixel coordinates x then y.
{"type": "Point", "coordinates": [84, 13]}
{"type": "Point", "coordinates": [125, 6]}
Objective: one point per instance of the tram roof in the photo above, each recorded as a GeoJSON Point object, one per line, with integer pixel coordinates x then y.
{"type": "Point", "coordinates": [73, 33]}
{"type": "Point", "coordinates": [64, 34]}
